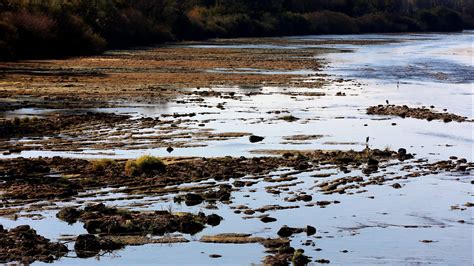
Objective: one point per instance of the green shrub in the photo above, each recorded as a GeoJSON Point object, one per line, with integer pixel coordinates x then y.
{"type": "Point", "coordinates": [100, 165]}
{"type": "Point", "coordinates": [144, 165]}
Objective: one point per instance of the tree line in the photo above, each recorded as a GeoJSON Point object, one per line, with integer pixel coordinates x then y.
{"type": "Point", "coordinates": [55, 28]}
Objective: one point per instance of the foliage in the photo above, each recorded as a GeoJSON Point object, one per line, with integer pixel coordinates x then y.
{"type": "Point", "coordinates": [54, 28]}
{"type": "Point", "coordinates": [144, 165]}
{"type": "Point", "coordinates": [99, 166]}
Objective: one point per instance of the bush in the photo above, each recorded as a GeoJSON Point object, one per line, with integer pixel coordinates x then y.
{"type": "Point", "coordinates": [100, 165]}
{"type": "Point", "coordinates": [384, 22]}
{"type": "Point", "coordinates": [32, 29]}
{"type": "Point", "coordinates": [144, 165]}
{"type": "Point", "coordinates": [440, 19]}
{"type": "Point", "coordinates": [328, 22]}
{"type": "Point", "coordinates": [59, 28]}
{"type": "Point", "coordinates": [77, 37]}
{"type": "Point", "coordinates": [8, 38]}
{"type": "Point", "coordinates": [130, 27]}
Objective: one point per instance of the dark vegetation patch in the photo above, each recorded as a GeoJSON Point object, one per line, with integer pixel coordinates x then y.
{"type": "Point", "coordinates": [110, 228]}
{"type": "Point", "coordinates": [62, 28]}
{"type": "Point", "coordinates": [23, 245]}
{"type": "Point", "coordinates": [103, 220]}
{"type": "Point", "coordinates": [418, 113]}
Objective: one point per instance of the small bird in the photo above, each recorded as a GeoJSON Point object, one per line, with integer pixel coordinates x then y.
{"type": "Point", "coordinates": [387, 102]}
{"type": "Point", "coordinates": [398, 84]}
{"type": "Point", "coordinates": [367, 140]}
{"type": "Point", "coordinates": [169, 149]}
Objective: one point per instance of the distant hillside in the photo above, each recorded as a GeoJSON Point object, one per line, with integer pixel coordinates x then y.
{"type": "Point", "coordinates": [55, 28]}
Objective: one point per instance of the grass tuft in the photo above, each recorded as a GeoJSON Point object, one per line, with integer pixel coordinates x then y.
{"type": "Point", "coordinates": [144, 165]}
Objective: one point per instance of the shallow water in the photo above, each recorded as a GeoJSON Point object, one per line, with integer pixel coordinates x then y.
{"type": "Point", "coordinates": [414, 69]}
{"type": "Point", "coordinates": [334, 116]}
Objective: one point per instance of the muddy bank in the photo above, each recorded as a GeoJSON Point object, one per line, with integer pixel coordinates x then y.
{"type": "Point", "coordinates": [154, 75]}
{"type": "Point", "coordinates": [55, 123]}
{"type": "Point", "coordinates": [31, 180]}
{"type": "Point", "coordinates": [422, 113]}
{"type": "Point", "coordinates": [61, 177]}
{"type": "Point", "coordinates": [22, 244]}
{"type": "Point", "coordinates": [62, 131]}
{"type": "Point", "coordinates": [282, 252]}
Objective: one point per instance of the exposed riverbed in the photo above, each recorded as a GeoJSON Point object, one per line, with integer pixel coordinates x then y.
{"type": "Point", "coordinates": [316, 103]}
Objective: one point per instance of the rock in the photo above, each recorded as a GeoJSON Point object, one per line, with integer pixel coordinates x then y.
{"type": "Point", "coordinates": [69, 214]}
{"type": "Point", "coordinates": [397, 186]}
{"type": "Point", "coordinates": [403, 155]}
{"type": "Point", "coordinates": [190, 227]}
{"type": "Point", "coordinates": [285, 231]}
{"type": "Point", "coordinates": [372, 162]}
{"type": "Point", "coordinates": [239, 183]}
{"type": "Point", "coordinates": [213, 219]}
{"type": "Point", "coordinates": [22, 228]}
{"type": "Point", "coordinates": [249, 212]}
{"type": "Point", "coordinates": [286, 250]}
{"type": "Point", "coordinates": [310, 230]}
{"type": "Point", "coordinates": [192, 199]}
{"type": "Point", "coordinates": [268, 219]}
{"type": "Point", "coordinates": [304, 198]}
{"type": "Point", "coordinates": [402, 152]}
{"type": "Point", "coordinates": [215, 256]}
{"type": "Point", "coordinates": [299, 259]}
{"type": "Point", "coordinates": [370, 169]}
{"type": "Point", "coordinates": [87, 246]}
{"type": "Point", "coordinates": [323, 203]}
{"type": "Point", "coordinates": [323, 261]}
{"type": "Point", "coordinates": [254, 139]}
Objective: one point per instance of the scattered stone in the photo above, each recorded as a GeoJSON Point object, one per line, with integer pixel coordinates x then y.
{"type": "Point", "coordinates": [310, 230]}
{"type": "Point", "coordinates": [323, 261]}
{"type": "Point", "coordinates": [254, 139]}
{"type": "Point", "coordinates": [397, 186]}
{"type": "Point", "coordinates": [268, 219]}
{"type": "Point", "coordinates": [305, 198]}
